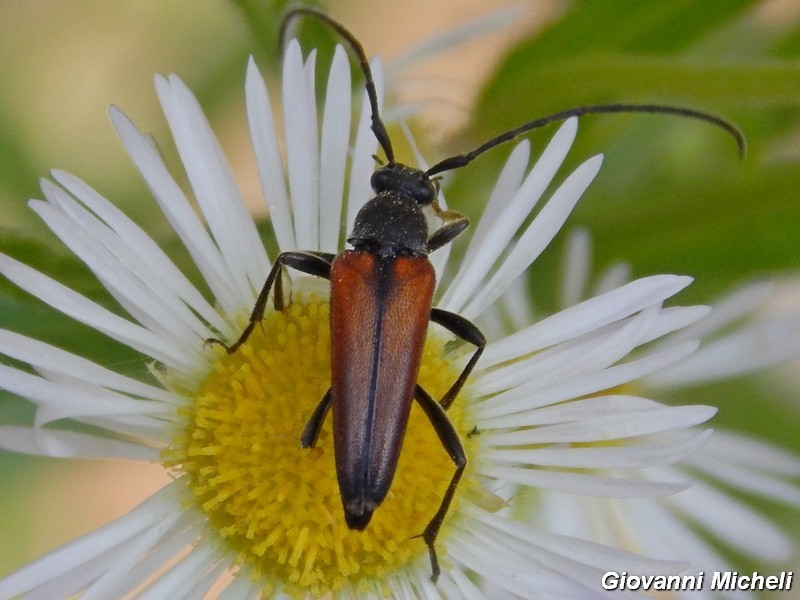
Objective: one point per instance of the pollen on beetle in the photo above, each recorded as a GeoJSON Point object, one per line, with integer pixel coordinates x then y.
{"type": "Point", "coordinates": [276, 505]}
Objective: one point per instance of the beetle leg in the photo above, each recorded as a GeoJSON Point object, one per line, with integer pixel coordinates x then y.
{"type": "Point", "coordinates": [311, 263]}
{"type": "Point", "coordinates": [308, 262]}
{"type": "Point", "coordinates": [447, 232]}
{"type": "Point", "coordinates": [466, 330]}
{"type": "Point", "coordinates": [311, 431]}
{"type": "Point", "coordinates": [452, 444]}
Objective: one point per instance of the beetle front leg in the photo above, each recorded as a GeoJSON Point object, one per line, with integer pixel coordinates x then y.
{"type": "Point", "coordinates": [454, 227]}
{"type": "Point", "coordinates": [311, 263]}
{"type": "Point", "coordinates": [467, 331]}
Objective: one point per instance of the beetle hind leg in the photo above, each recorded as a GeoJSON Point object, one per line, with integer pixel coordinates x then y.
{"type": "Point", "coordinates": [452, 444]}
{"type": "Point", "coordinates": [311, 431]}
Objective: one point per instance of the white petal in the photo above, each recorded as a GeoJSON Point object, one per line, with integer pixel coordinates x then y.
{"type": "Point", "coordinates": [656, 530]}
{"type": "Point", "coordinates": [181, 576]}
{"type": "Point", "coordinates": [728, 309]}
{"type": "Point", "coordinates": [572, 360]}
{"type": "Point", "coordinates": [406, 585]}
{"type": "Point", "coordinates": [753, 454]}
{"type": "Point", "coordinates": [516, 306]}
{"type": "Point", "coordinates": [614, 276]}
{"type": "Point", "coordinates": [39, 354]}
{"type": "Point", "coordinates": [622, 457]}
{"type": "Point", "coordinates": [173, 544]}
{"type": "Point", "coordinates": [242, 587]}
{"type": "Point", "coordinates": [503, 228]}
{"type": "Point", "coordinates": [268, 158]}
{"type": "Point", "coordinates": [676, 318]}
{"type": "Point", "coordinates": [512, 571]}
{"type": "Point", "coordinates": [440, 257]}
{"type": "Point", "coordinates": [333, 150]}
{"type": "Point", "coordinates": [201, 587]}
{"type": "Point", "coordinates": [456, 584]}
{"type": "Point", "coordinates": [581, 483]}
{"type": "Point", "coordinates": [588, 409]}
{"type": "Point", "coordinates": [164, 315]}
{"type": "Point", "coordinates": [73, 555]}
{"type": "Point", "coordinates": [70, 444]}
{"type": "Point", "coordinates": [575, 272]}
{"type": "Point", "coordinates": [585, 317]}
{"type": "Point", "coordinates": [536, 237]}
{"type": "Point", "coordinates": [365, 147]}
{"type": "Point", "coordinates": [605, 428]}
{"type": "Point", "coordinates": [302, 147]}
{"type": "Point", "coordinates": [81, 309]}
{"type": "Point", "coordinates": [528, 396]}
{"type": "Point", "coordinates": [179, 213]}
{"type": "Point", "coordinates": [133, 551]}
{"type": "Point", "coordinates": [73, 400]}
{"type": "Point", "coordinates": [534, 564]}
{"type": "Point", "coordinates": [749, 349]}
{"type": "Point", "coordinates": [505, 190]}
{"type": "Point", "coordinates": [584, 551]}
{"type": "Point", "coordinates": [751, 533]}
{"type": "Point", "coordinates": [136, 247]}
{"type": "Point", "coordinates": [213, 185]}
{"type": "Point", "coordinates": [150, 430]}
{"type": "Point", "coordinates": [749, 480]}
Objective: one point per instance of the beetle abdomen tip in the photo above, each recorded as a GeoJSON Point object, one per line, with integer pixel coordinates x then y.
{"type": "Point", "coordinates": [358, 517]}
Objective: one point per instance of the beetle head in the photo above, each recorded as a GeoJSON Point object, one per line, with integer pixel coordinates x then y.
{"type": "Point", "coordinates": [405, 180]}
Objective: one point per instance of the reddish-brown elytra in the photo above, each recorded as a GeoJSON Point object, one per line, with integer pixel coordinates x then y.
{"type": "Point", "coordinates": [381, 302]}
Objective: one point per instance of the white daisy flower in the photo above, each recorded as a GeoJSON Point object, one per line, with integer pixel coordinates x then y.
{"type": "Point", "coordinates": [712, 513]}
{"type": "Point", "coordinates": [246, 498]}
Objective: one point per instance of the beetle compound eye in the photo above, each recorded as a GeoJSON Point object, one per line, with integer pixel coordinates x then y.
{"type": "Point", "coordinates": [381, 180]}
{"type": "Point", "coordinates": [425, 192]}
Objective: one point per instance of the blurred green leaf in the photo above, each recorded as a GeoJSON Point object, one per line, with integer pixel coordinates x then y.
{"type": "Point", "coordinates": [671, 196]}
{"type": "Point", "coordinates": [265, 19]}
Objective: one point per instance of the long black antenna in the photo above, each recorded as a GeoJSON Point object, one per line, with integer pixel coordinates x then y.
{"type": "Point", "coordinates": [378, 128]}
{"type": "Point", "coordinates": [455, 162]}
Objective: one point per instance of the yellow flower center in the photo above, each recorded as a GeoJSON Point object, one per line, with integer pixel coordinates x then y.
{"type": "Point", "coordinates": [275, 504]}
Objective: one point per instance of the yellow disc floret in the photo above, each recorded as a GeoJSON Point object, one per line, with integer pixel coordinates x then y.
{"type": "Point", "coordinates": [275, 504]}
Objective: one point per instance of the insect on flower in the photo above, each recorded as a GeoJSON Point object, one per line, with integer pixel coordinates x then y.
{"type": "Point", "coordinates": [381, 300]}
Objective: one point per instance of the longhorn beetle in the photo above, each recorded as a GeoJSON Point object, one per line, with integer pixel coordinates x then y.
{"type": "Point", "coordinates": [380, 304]}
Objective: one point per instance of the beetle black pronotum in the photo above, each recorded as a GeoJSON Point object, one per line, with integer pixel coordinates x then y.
{"type": "Point", "coordinates": [381, 302]}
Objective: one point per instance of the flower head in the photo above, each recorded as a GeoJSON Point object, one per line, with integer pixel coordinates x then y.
{"type": "Point", "coordinates": [246, 497]}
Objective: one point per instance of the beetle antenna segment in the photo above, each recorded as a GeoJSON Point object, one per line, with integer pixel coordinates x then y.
{"type": "Point", "coordinates": [378, 128]}
{"type": "Point", "coordinates": [455, 162]}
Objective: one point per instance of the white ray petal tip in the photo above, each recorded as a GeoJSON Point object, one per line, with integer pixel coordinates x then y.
{"type": "Point", "coordinates": [703, 413]}
{"type": "Point", "coordinates": [699, 311]}
{"type": "Point", "coordinates": [114, 112]}
{"type": "Point", "coordinates": [675, 487]}
{"type": "Point", "coordinates": [120, 121]}
{"type": "Point", "coordinates": [58, 175]}
{"type": "Point", "coordinates": [594, 163]}
{"type": "Point", "coordinates": [568, 129]}
{"type": "Point", "coordinates": [292, 51]}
